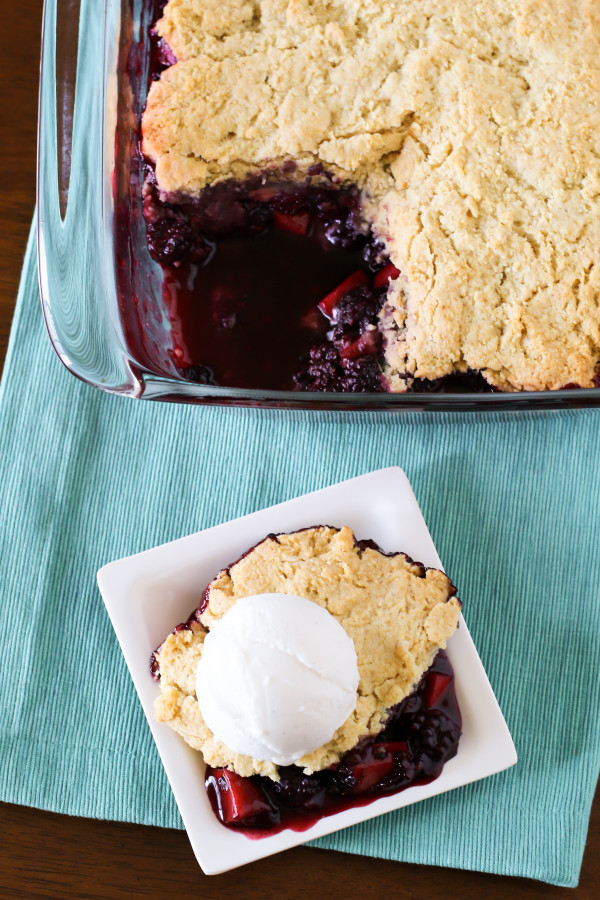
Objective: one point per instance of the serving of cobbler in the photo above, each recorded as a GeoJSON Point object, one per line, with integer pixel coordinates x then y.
{"type": "Point", "coordinates": [352, 195]}
{"type": "Point", "coordinates": [405, 723]}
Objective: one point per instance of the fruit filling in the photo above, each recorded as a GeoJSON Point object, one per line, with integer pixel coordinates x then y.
{"type": "Point", "coordinates": [274, 285]}
{"type": "Point", "coordinates": [420, 736]}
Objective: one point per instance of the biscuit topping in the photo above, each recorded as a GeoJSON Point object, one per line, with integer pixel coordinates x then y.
{"type": "Point", "coordinates": [397, 614]}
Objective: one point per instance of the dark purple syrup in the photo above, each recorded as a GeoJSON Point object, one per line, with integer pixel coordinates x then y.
{"type": "Point", "coordinates": [421, 735]}
{"type": "Point", "coordinates": [245, 268]}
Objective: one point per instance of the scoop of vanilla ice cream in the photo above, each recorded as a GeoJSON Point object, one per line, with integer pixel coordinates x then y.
{"type": "Point", "coordinates": [277, 677]}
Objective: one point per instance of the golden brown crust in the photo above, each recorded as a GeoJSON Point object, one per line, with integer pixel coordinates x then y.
{"type": "Point", "coordinates": [473, 130]}
{"type": "Point", "coordinates": [398, 615]}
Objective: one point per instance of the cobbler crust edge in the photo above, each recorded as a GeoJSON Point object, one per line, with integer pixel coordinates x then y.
{"type": "Point", "coordinates": [398, 614]}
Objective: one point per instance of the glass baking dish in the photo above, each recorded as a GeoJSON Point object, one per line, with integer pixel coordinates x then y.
{"type": "Point", "coordinates": [94, 72]}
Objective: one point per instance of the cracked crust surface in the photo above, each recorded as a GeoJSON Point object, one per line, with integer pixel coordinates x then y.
{"type": "Point", "coordinates": [397, 613]}
{"type": "Point", "coordinates": [473, 130]}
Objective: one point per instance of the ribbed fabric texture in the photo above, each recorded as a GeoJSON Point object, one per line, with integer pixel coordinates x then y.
{"type": "Point", "coordinates": [513, 505]}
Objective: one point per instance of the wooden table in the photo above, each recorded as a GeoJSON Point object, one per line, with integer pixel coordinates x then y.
{"type": "Point", "coordinates": [46, 855]}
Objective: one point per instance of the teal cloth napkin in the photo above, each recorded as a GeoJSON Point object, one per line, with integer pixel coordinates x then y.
{"type": "Point", "coordinates": [512, 502]}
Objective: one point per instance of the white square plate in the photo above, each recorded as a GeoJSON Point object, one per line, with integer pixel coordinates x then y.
{"type": "Point", "coordinates": [147, 595]}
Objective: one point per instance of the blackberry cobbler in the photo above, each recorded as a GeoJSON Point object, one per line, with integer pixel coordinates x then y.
{"type": "Point", "coordinates": [392, 724]}
{"type": "Point", "coordinates": [433, 163]}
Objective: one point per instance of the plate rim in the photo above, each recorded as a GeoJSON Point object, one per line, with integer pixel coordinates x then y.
{"type": "Point", "coordinates": [116, 578]}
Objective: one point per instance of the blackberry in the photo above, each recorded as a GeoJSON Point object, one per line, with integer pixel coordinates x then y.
{"type": "Point", "coordinates": [356, 311]}
{"type": "Point", "coordinates": [170, 240]}
{"type": "Point", "coordinates": [323, 372]}
{"type": "Point", "coordinates": [374, 255]}
{"type": "Point", "coordinates": [433, 735]}
{"type": "Point", "coordinates": [298, 791]}
{"type": "Point", "coordinates": [362, 375]}
{"type": "Point", "coordinates": [198, 374]}
{"type": "Point", "coordinates": [344, 233]}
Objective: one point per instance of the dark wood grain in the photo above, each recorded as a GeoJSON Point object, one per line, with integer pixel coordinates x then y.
{"type": "Point", "coordinates": [43, 855]}
{"type": "Point", "coordinates": [46, 855]}
{"type": "Point", "coordinates": [19, 72]}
